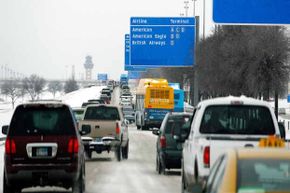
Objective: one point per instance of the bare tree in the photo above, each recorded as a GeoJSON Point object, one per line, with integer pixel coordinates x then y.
{"type": "Point", "coordinates": [33, 85]}
{"type": "Point", "coordinates": [54, 86]}
{"type": "Point", "coordinates": [250, 60]}
{"type": "Point", "coordinates": [70, 85]}
{"type": "Point", "coordinates": [12, 89]}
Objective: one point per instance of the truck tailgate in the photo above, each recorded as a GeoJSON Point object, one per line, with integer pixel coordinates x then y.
{"type": "Point", "coordinates": [219, 145]}
{"type": "Point", "coordinates": [101, 128]}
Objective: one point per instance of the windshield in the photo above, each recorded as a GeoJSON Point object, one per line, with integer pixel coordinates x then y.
{"type": "Point", "coordinates": [102, 113]}
{"type": "Point", "coordinates": [175, 124]}
{"type": "Point", "coordinates": [235, 119]}
{"type": "Point", "coordinates": [41, 121]}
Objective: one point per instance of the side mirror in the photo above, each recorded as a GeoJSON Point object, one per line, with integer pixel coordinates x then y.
{"type": "Point", "coordinates": [184, 135]}
{"type": "Point", "coordinates": [282, 130]}
{"type": "Point", "coordinates": [5, 129]}
{"type": "Point", "coordinates": [156, 131]}
{"type": "Point", "coordinates": [86, 129]}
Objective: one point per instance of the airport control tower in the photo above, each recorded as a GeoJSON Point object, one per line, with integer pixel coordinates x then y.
{"type": "Point", "coordinates": [88, 67]}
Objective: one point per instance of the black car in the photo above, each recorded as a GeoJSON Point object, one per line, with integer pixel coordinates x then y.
{"type": "Point", "coordinates": [169, 143]}
{"type": "Point", "coordinates": [43, 148]}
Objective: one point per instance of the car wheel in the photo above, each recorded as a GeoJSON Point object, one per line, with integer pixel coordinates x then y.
{"type": "Point", "coordinates": [79, 185]}
{"type": "Point", "coordinates": [138, 127]}
{"type": "Point", "coordinates": [161, 168]}
{"type": "Point", "coordinates": [157, 164]}
{"type": "Point", "coordinates": [89, 154]}
{"type": "Point", "coordinates": [183, 183]}
{"type": "Point", "coordinates": [125, 151]}
{"type": "Point", "coordinates": [118, 153]}
{"type": "Point", "coordinates": [7, 188]}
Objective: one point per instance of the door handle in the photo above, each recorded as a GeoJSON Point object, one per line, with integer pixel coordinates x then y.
{"type": "Point", "coordinates": [97, 127]}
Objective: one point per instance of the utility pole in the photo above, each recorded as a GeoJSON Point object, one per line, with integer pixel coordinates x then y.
{"type": "Point", "coordinates": [186, 7]}
{"type": "Point", "coordinates": [193, 7]}
{"type": "Point", "coordinates": [195, 84]}
{"type": "Point", "coordinates": [203, 25]}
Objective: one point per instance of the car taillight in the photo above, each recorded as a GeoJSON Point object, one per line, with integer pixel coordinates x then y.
{"type": "Point", "coordinates": [73, 145]}
{"type": "Point", "coordinates": [118, 129]}
{"type": "Point", "coordinates": [206, 157]}
{"type": "Point", "coordinates": [162, 142]}
{"type": "Point", "coordinates": [10, 146]}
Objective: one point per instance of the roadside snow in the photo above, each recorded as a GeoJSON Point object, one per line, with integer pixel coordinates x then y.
{"type": "Point", "coordinates": [76, 98]}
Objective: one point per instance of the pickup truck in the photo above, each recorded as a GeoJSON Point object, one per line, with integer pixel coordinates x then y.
{"type": "Point", "coordinates": [221, 124]}
{"type": "Point", "coordinates": [109, 130]}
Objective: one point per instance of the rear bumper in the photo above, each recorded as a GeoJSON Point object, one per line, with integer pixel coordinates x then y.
{"type": "Point", "coordinates": [105, 144]}
{"type": "Point", "coordinates": [44, 175]}
{"type": "Point", "coordinates": [171, 160]}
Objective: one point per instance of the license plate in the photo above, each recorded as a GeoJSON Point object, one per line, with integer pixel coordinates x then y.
{"type": "Point", "coordinates": [98, 139]}
{"type": "Point", "coordinates": [42, 151]}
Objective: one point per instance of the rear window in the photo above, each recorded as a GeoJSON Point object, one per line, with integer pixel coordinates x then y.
{"type": "Point", "coordinates": [260, 175]}
{"type": "Point", "coordinates": [41, 120]}
{"type": "Point", "coordinates": [240, 119]}
{"type": "Point", "coordinates": [102, 113]}
{"type": "Point", "coordinates": [78, 112]}
{"type": "Point", "coordinates": [176, 123]}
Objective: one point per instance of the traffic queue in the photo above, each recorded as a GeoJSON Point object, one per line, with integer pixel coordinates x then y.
{"type": "Point", "coordinates": [227, 139]}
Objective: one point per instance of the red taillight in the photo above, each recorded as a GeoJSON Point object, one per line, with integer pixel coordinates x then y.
{"type": "Point", "coordinates": [73, 145]}
{"type": "Point", "coordinates": [206, 157]}
{"type": "Point", "coordinates": [10, 146]}
{"type": "Point", "coordinates": [118, 129]}
{"type": "Point", "coordinates": [162, 142]}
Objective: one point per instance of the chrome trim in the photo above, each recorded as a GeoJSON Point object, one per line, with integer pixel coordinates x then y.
{"type": "Point", "coordinates": [53, 146]}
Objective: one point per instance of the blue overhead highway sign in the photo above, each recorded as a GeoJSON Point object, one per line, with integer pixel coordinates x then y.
{"type": "Point", "coordinates": [102, 77]}
{"type": "Point", "coordinates": [162, 42]}
{"type": "Point", "coordinates": [251, 11]}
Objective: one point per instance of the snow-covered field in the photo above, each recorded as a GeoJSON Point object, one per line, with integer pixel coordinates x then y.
{"type": "Point", "coordinates": [74, 99]}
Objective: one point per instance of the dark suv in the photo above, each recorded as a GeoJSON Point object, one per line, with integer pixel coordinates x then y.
{"type": "Point", "coordinates": [43, 148]}
{"type": "Point", "coordinates": [169, 141]}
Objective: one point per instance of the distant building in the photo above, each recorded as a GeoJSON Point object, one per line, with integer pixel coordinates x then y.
{"type": "Point", "coordinates": [88, 67]}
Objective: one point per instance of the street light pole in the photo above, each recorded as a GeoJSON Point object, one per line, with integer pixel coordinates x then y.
{"type": "Point", "coordinates": [193, 7]}
{"type": "Point", "coordinates": [203, 30]}
{"type": "Point", "coordinates": [186, 7]}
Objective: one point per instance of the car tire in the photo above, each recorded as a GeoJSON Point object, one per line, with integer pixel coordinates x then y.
{"type": "Point", "coordinates": [79, 185]}
{"type": "Point", "coordinates": [161, 168]}
{"type": "Point", "coordinates": [7, 188]}
{"type": "Point", "coordinates": [118, 153]}
{"type": "Point", "coordinates": [138, 127]}
{"type": "Point", "coordinates": [89, 154]}
{"type": "Point", "coordinates": [125, 151]}
{"type": "Point", "coordinates": [157, 164]}
{"type": "Point", "coordinates": [183, 182]}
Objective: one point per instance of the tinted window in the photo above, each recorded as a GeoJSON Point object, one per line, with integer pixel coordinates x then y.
{"type": "Point", "coordinates": [270, 175]}
{"type": "Point", "coordinates": [102, 113]}
{"type": "Point", "coordinates": [78, 112]}
{"type": "Point", "coordinates": [250, 120]}
{"type": "Point", "coordinates": [176, 96]}
{"type": "Point", "coordinates": [41, 120]}
{"type": "Point", "coordinates": [175, 123]}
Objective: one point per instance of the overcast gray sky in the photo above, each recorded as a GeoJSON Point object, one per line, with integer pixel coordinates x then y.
{"type": "Point", "coordinates": [47, 37]}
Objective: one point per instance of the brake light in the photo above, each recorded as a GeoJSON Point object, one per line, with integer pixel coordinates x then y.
{"type": "Point", "coordinates": [73, 145]}
{"type": "Point", "coordinates": [206, 157]}
{"type": "Point", "coordinates": [162, 142]}
{"type": "Point", "coordinates": [118, 129]}
{"type": "Point", "coordinates": [10, 146]}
